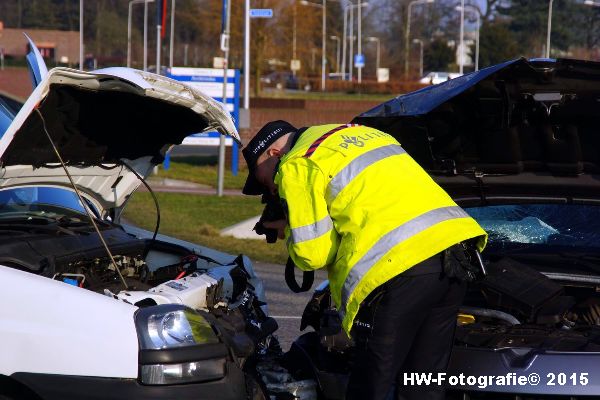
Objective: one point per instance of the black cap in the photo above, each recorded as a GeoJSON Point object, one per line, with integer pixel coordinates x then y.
{"type": "Point", "coordinates": [265, 137]}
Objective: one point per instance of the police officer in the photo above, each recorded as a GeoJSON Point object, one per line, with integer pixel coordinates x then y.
{"type": "Point", "coordinates": [360, 206]}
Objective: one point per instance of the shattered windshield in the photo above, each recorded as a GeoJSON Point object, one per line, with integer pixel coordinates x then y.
{"type": "Point", "coordinates": [570, 225]}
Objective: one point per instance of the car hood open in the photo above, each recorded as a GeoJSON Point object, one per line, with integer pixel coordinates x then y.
{"type": "Point", "coordinates": [98, 120]}
{"type": "Point", "coordinates": [523, 127]}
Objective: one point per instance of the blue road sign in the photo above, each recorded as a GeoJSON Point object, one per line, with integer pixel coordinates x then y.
{"type": "Point", "coordinates": [359, 60]}
{"type": "Point", "coordinates": [261, 13]}
{"type": "Point", "coordinates": [210, 82]}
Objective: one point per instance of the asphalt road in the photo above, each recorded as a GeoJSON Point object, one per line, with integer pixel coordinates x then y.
{"type": "Point", "coordinates": [284, 305]}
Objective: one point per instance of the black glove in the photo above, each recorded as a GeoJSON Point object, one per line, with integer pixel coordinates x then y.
{"type": "Point", "coordinates": [273, 211]}
{"type": "Point", "coordinates": [463, 262]}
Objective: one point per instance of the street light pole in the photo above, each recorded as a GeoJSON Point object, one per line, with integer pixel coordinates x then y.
{"type": "Point", "coordinates": [351, 7]}
{"type": "Point", "coordinates": [420, 43]}
{"type": "Point", "coordinates": [549, 29]}
{"type": "Point", "coordinates": [131, 3]}
{"type": "Point", "coordinates": [323, 38]}
{"type": "Point", "coordinates": [478, 19]}
{"type": "Point", "coordinates": [146, 35]}
{"type": "Point", "coordinates": [337, 52]}
{"type": "Point", "coordinates": [376, 39]}
{"type": "Point", "coordinates": [359, 40]}
{"type": "Point", "coordinates": [227, 26]}
{"type": "Point", "coordinates": [158, 35]}
{"type": "Point", "coordinates": [344, 44]}
{"type": "Point", "coordinates": [247, 53]}
{"type": "Point", "coordinates": [462, 37]}
{"type": "Point", "coordinates": [360, 5]}
{"type": "Point", "coordinates": [341, 65]}
{"type": "Point", "coordinates": [324, 51]}
{"type": "Point", "coordinates": [351, 55]}
{"type": "Point", "coordinates": [81, 52]}
{"type": "Point", "coordinates": [477, 38]}
{"type": "Point", "coordinates": [172, 36]}
{"type": "Point", "coordinates": [407, 33]}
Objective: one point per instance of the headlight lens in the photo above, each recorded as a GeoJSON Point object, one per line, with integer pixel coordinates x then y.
{"type": "Point", "coordinates": [178, 328]}
{"type": "Point", "coordinates": [170, 374]}
{"type": "Point", "coordinates": [178, 345]}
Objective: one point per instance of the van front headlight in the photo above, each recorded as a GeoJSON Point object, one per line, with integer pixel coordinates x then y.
{"type": "Point", "coordinates": [176, 328]}
{"type": "Point", "coordinates": [178, 345]}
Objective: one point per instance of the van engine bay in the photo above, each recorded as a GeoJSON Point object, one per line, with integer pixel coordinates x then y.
{"type": "Point", "coordinates": [156, 272]}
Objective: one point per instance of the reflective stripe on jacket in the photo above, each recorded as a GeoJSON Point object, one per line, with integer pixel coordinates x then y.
{"type": "Point", "coordinates": [359, 205]}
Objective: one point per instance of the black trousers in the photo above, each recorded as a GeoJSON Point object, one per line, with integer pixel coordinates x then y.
{"type": "Point", "coordinates": [412, 321]}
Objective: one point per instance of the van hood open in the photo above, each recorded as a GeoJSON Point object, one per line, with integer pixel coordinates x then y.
{"type": "Point", "coordinates": [98, 120]}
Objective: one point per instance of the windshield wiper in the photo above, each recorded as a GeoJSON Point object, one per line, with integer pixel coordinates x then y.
{"type": "Point", "coordinates": [46, 219]}
{"type": "Point", "coordinates": [37, 227]}
{"type": "Point", "coordinates": [27, 219]}
{"type": "Point", "coordinates": [70, 226]}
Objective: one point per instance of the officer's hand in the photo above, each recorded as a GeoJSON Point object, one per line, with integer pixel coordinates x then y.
{"type": "Point", "coordinates": [279, 225]}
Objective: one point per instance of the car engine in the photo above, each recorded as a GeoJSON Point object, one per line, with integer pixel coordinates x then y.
{"type": "Point", "coordinates": [155, 272]}
{"type": "Point", "coordinates": [515, 306]}
{"type": "Point", "coordinates": [518, 306]}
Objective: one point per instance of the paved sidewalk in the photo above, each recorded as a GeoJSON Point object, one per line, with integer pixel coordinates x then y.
{"type": "Point", "coordinates": [243, 230]}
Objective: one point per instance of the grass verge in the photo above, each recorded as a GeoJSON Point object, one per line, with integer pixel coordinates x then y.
{"type": "Point", "coordinates": [199, 219]}
{"type": "Point", "coordinates": [203, 174]}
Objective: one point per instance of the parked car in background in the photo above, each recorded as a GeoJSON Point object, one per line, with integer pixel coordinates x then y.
{"type": "Point", "coordinates": [285, 80]}
{"type": "Point", "coordinates": [433, 78]}
{"type": "Point", "coordinates": [516, 145]}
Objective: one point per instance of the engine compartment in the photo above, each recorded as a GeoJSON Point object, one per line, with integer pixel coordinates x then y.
{"type": "Point", "coordinates": [77, 257]}
{"type": "Point", "coordinates": [156, 272]}
{"type": "Point", "coordinates": [48, 248]}
{"type": "Point", "coordinates": [518, 306]}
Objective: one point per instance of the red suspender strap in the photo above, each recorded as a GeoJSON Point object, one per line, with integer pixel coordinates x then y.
{"type": "Point", "coordinates": [320, 140]}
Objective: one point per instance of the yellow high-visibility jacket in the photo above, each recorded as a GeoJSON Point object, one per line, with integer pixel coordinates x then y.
{"type": "Point", "coordinates": [360, 206]}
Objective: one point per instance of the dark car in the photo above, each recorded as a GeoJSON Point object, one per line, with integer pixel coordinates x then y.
{"type": "Point", "coordinates": [518, 146]}
{"type": "Point", "coordinates": [285, 80]}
